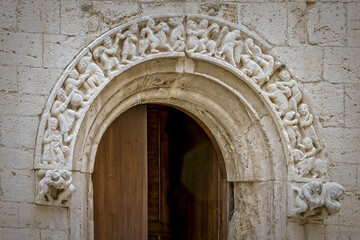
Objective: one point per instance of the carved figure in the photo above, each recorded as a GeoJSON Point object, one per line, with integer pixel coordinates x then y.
{"type": "Point", "coordinates": [314, 195]}
{"type": "Point", "coordinates": [306, 124]}
{"type": "Point", "coordinates": [65, 115]}
{"type": "Point", "coordinates": [230, 45]}
{"type": "Point", "coordinates": [148, 38]}
{"type": "Point", "coordinates": [55, 187]}
{"type": "Point", "coordinates": [78, 97]}
{"type": "Point", "coordinates": [278, 98]}
{"type": "Point", "coordinates": [129, 44]}
{"type": "Point", "coordinates": [290, 124]}
{"type": "Point", "coordinates": [162, 31]}
{"type": "Point", "coordinates": [210, 33]}
{"type": "Point", "coordinates": [306, 161]}
{"type": "Point", "coordinates": [54, 149]}
{"type": "Point", "coordinates": [91, 73]}
{"type": "Point", "coordinates": [106, 54]}
{"type": "Point", "coordinates": [308, 198]}
{"type": "Point", "coordinates": [193, 43]}
{"type": "Point", "coordinates": [264, 61]}
{"type": "Point", "coordinates": [290, 87]}
{"type": "Point", "coordinates": [177, 35]}
{"type": "Point", "coordinates": [253, 70]}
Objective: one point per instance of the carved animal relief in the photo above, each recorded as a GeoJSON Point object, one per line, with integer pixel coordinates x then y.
{"type": "Point", "coordinates": [55, 188]}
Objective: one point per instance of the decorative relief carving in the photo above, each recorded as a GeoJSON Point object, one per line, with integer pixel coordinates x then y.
{"type": "Point", "coordinates": [55, 188]}
{"type": "Point", "coordinates": [195, 37]}
{"type": "Point", "coordinates": [316, 199]}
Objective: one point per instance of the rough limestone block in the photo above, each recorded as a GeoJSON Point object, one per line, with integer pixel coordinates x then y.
{"type": "Point", "coordinates": [38, 216]}
{"type": "Point", "coordinates": [39, 16]}
{"type": "Point", "coordinates": [328, 103]}
{"type": "Point", "coordinates": [268, 20]}
{"type": "Point", "coordinates": [8, 15]}
{"type": "Point", "coordinates": [2, 234]}
{"type": "Point", "coordinates": [9, 214]}
{"type": "Point", "coordinates": [326, 23]}
{"type": "Point", "coordinates": [297, 23]}
{"type": "Point", "coordinates": [295, 231]}
{"type": "Point", "coordinates": [225, 11]}
{"type": "Point", "coordinates": [342, 65]}
{"type": "Point", "coordinates": [191, 7]}
{"type": "Point", "coordinates": [314, 231]}
{"type": "Point", "coordinates": [358, 175]}
{"type": "Point", "coordinates": [305, 63]}
{"type": "Point", "coordinates": [160, 8]}
{"type": "Point", "coordinates": [11, 158]}
{"type": "Point", "coordinates": [8, 78]}
{"type": "Point", "coordinates": [344, 174]}
{"type": "Point", "coordinates": [54, 235]}
{"type": "Point", "coordinates": [59, 50]}
{"type": "Point", "coordinates": [353, 23]}
{"type": "Point", "coordinates": [341, 232]}
{"type": "Point", "coordinates": [349, 149]}
{"type": "Point", "coordinates": [18, 131]}
{"type": "Point", "coordinates": [352, 105]}
{"type": "Point", "coordinates": [349, 215]}
{"type": "Point", "coordinates": [21, 233]}
{"type": "Point", "coordinates": [17, 185]}
{"type": "Point", "coordinates": [86, 17]}
{"type": "Point", "coordinates": [37, 80]}
{"type": "Point", "coordinates": [21, 49]}
{"type": "Point", "coordinates": [21, 104]}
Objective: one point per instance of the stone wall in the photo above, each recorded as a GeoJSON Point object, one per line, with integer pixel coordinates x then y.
{"type": "Point", "coordinates": [318, 40]}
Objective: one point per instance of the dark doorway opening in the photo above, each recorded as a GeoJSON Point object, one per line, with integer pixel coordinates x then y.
{"type": "Point", "coordinates": [159, 175]}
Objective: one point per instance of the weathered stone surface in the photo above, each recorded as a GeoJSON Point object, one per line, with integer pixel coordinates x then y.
{"type": "Point", "coordinates": [352, 105]}
{"type": "Point", "coordinates": [9, 214]}
{"type": "Point", "coordinates": [314, 231]}
{"type": "Point", "coordinates": [21, 104]}
{"type": "Point", "coordinates": [225, 11]}
{"type": "Point", "coordinates": [11, 158]}
{"type": "Point", "coordinates": [59, 50]}
{"type": "Point", "coordinates": [8, 15]}
{"type": "Point", "coordinates": [45, 217]}
{"type": "Point", "coordinates": [8, 79]}
{"type": "Point", "coordinates": [39, 16]}
{"type": "Point", "coordinates": [54, 235]}
{"type": "Point", "coordinates": [306, 63]}
{"type": "Point", "coordinates": [37, 80]}
{"type": "Point", "coordinates": [350, 214]}
{"type": "Point", "coordinates": [21, 49]}
{"type": "Point", "coordinates": [295, 231]}
{"type": "Point", "coordinates": [333, 232]}
{"type": "Point", "coordinates": [161, 8]}
{"type": "Point", "coordinates": [18, 131]}
{"type": "Point", "coordinates": [17, 185]}
{"type": "Point", "coordinates": [342, 65]}
{"type": "Point", "coordinates": [353, 21]}
{"type": "Point", "coordinates": [345, 174]}
{"type": "Point", "coordinates": [94, 17]}
{"type": "Point", "coordinates": [328, 102]}
{"type": "Point", "coordinates": [326, 23]}
{"type": "Point", "coordinates": [297, 23]}
{"type": "Point", "coordinates": [21, 233]}
{"type": "Point", "coordinates": [267, 19]}
{"type": "Point", "coordinates": [343, 144]}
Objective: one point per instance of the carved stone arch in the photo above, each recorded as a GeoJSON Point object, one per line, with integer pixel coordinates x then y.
{"type": "Point", "coordinates": [219, 72]}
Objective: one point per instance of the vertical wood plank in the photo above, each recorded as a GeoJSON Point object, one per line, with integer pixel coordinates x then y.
{"type": "Point", "coordinates": [120, 178]}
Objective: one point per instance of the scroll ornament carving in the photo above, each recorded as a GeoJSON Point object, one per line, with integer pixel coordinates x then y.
{"type": "Point", "coordinates": [55, 188]}
{"type": "Point", "coordinates": [181, 35]}
{"type": "Point", "coordinates": [317, 199]}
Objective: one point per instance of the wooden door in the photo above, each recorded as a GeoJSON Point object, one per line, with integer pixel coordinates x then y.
{"type": "Point", "coordinates": [120, 179]}
{"type": "Point", "coordinates": [183, 178]}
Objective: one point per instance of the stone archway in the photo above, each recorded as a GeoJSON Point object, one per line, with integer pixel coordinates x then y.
{"type": "Point", "coordinates": [219, 72]}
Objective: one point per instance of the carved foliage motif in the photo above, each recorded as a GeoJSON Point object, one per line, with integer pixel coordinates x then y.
{"type": "Point", "coordinates": [55, 188]}
{"type": "Point", "coordinates": [195, 37]}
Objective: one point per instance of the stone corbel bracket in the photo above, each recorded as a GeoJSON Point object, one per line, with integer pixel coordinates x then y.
{"type": "Point", "coordinates": [204, 38]}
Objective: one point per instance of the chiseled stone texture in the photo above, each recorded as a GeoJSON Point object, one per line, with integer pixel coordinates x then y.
{"type": "Point", "coordinates": [318, 40]}
{"type": "Point", "coordinates": [326, 23]}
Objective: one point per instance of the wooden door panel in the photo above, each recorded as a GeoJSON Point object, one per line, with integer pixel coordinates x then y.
{"type": "Point", "coordinates": [120, 178]}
